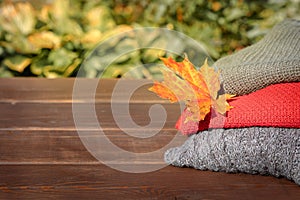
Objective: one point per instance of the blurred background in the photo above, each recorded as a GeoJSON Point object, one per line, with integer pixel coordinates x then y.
{"type": "Point", "coordinates": [51, 38]}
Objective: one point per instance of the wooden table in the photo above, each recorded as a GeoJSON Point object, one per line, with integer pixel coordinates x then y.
{"type": "Point", "coordinates": [42, 155]}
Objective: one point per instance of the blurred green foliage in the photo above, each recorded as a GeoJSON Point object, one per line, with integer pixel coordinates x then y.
{"type": "Point", "coordinates": [52, 40]}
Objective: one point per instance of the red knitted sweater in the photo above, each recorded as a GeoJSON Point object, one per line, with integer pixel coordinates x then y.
{"type": "Point", "coordinates": [274, 106]}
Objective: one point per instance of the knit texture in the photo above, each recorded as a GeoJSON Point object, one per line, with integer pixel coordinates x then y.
{"type": "Point", "coordinates": [274, 106]}
{"type": "Point", "coordinates": [274, 59]}
{"type": "Point", "coordinates": [255, 150]}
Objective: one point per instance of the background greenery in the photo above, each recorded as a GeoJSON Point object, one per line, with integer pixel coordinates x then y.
{"type": "Point", "coordinates": [52, 38]}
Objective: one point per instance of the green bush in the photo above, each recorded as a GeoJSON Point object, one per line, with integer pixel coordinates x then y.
{"type": "Point", "coordinates": [52, 40]}
{"type": "Point", "coordinates": [222, 26]}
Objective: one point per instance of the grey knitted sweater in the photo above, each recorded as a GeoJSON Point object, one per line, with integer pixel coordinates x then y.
{"type": "Point", "coordinates": [255, 150]}
{"type": "Point", "coordinates": [274, 59]}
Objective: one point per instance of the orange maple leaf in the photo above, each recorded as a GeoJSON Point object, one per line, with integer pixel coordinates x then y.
{"type": "Point", "coordinates": [199, 89]}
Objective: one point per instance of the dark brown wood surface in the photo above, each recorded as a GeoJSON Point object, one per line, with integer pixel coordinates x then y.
{"type": "Point", "coordinates": [42, 156]}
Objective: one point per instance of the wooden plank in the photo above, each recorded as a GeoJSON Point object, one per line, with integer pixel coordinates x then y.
{"type": "Point", "coordinates": [60, 147]}
{"type": "Point", "coordinates": [60, 90]}
{"type": "Point", "coordinates": [59, 115]}
{"type": "Point", "coordinates": [101, 182]}
{"type": "Point", "coordinates": [41, 155]}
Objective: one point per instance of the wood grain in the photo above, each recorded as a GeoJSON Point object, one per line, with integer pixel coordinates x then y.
{"type": "Point", "coordinates": [101, 182]}
{"type": "Point", "coordinates": [59, 115]}
{"type": "Point", "coordinates": [14, 90]}
{"type": "Point", "coordinates": [66, 147]}
{"type": "Point", "coordinates": [42, 155]}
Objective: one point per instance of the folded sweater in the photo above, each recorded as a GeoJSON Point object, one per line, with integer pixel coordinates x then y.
{"type": "Point", "coordinates": [256, 150]}
{"type": "Point", "coordinates": [274, 106]}
{"type": "Point", "coordinates": [274, 59]}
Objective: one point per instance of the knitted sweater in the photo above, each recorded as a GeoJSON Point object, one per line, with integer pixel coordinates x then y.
{"type": "Point", "coordinates": [274, 59]}
{"type": "Point", "coordinates": [256, 150]}
{"type": "Point", "coordinates": [274, 106]}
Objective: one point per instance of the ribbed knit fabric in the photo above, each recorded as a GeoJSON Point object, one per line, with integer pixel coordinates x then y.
{"type": "Point", "coordinates": [274, 59]}
{"type": "Point", "coordinates": [255, 150]}
{"type": "Point", "coordinates": [274, 106]}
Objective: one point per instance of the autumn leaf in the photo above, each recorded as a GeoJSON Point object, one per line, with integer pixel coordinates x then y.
{"type": "Point", "coordinates": [211, 79]}
{"type": "Point", "coordinates": [199, 89]}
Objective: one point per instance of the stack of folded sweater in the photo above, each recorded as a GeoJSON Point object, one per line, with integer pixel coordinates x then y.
{"type": "Point", "coordinates": [261, 134]}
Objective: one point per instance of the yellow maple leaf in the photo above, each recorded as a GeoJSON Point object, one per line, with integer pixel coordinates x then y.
{"type": "Point", "coordinates": [199, 89]}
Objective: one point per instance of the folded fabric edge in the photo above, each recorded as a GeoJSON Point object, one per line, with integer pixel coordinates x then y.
{"type": "Point", "coordinates": [254, 150]}
{"type": "Point", "coordinates": [274, 106]}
